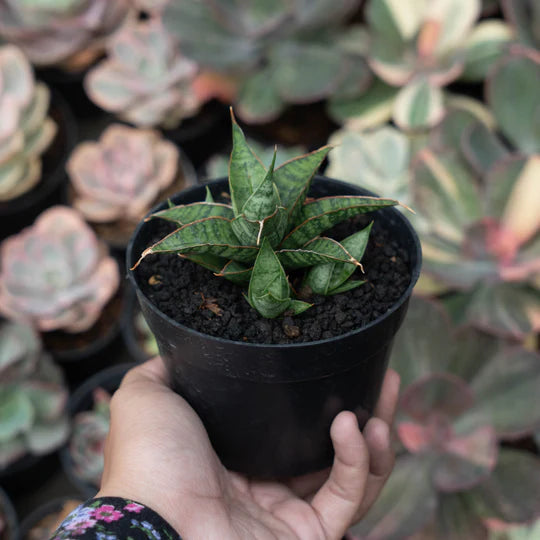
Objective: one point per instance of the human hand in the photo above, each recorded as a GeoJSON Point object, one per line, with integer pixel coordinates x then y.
{"type": "Point", "coordinates": [158, 453]}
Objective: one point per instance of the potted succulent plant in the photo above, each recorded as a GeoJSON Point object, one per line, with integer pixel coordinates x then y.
{"type": "Point", "coordinates": [58, 277]}
{"type": "Point", "coordinates": [156, 86]}
{"type": "Point", "coordinates": [463, 392]}
{"type": "Point", "coordinates": [35, 137]}
{"type": "Point", "coordinates": [267, 384]}
{"type": "Point", "coordinates": [33, 398]}
{"type": "Point", "coordinates": [8, 519]}
{"type": "Point", "coordinates": [44, 520]}
{"type": "Point", "coordinates": [115, 181]}
{"type": "Point", "coordinates": [82, 456]}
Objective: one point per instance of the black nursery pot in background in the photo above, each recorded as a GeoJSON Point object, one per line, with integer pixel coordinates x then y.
{"type": "Point", "coordinates": [268, 408]}
{"type": "Point", "coordinates": [20, 212]}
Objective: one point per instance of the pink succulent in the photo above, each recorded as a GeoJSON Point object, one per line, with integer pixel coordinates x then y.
{"type": "Point", "coordinates": [121, 175]}
{"type": "Point", "coordinates": [144, 80]}
{"type": "Point", "coordinates": [55, 274]}
{"type": "Point", "coordinates": [51, 34]}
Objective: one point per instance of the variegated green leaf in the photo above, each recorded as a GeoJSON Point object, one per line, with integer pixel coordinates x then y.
{"type": "Point", "coordinates": [213, 235]}
{"type": "Point", "coordinates": [484, 47]}
{"type": "Point", "coordinates": [324, 213]}
{"type": "Point", "coordinates": [264, 200]}
{"type": "Point", "coordinates": [446, 194]}
{"type": "Point", "coordinates": [208, 198]}
{"type": "Point", "coordinates": [508, 309]}
{"type": "Point", "coordinates": [512, 91]}
{"type": "Point", "coordinates": [246, 172]}
{"type": "Point", "coordinates": [318, 250]}
{"type": "Point", "coordinates": [235, 272]}
{"type": "Point", "coordinates": [331, 277]}
{"type": "Point", "coordinates": [16, 414]}
{"type": "Point", "coordinates": [187, 213]}
{"type": "Point", "coordinates": [405, 505]}
{"type": "Point", "coordinates": [513, 196]}
{"type": "Point", "coordinates": [269, 291]}
{"type": "Point", "coordinates": [512, 491]}
{"type": "Point", "coordinates": [293, 180]}
{"type": "Point", "coordinates": [372, 108]}
{"type": "Point", "coordinates": [273, 227]}
{"type": "Point", "coordinates": [206, 260]}
{"type": "Point", "coordinates": [418, 105]}
{"type": "Point", "coordinates": [506, 389]}
{"type": "Point", "coordinates": [481, 147]}
{"type": "Point", "coordinates": [258, 100]}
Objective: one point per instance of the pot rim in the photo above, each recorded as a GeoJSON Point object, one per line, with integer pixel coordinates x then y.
{"type": "Point", "coordinates": [415, 274]}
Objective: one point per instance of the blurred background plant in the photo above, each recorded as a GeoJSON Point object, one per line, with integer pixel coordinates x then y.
{"type": "Point", "coordinates": [87, 440]}
{"type": "Point", "coordinates": [416, 48]}
{"type": "Point", "coordinates": [25, 129]}
{"type": "Point", "coordinates": [55, 274]}
{"type": "Point", "coordinates": [121, 175]}
{"type": "Point", "coordinates": [33, 397]}
{"type": "Point", "coordinates": [66, 33]}
{"type": "Point", "coordinates": [280, 53]}
{"type": "Point", "coordinates": [463, 392]}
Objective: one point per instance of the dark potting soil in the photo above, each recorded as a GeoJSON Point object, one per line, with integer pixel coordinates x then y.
{"type": "Point", "coordinates": [193, 296]}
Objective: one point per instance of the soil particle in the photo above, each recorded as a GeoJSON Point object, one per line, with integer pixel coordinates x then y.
{"type": "Point", "coordinates": [178, 294]}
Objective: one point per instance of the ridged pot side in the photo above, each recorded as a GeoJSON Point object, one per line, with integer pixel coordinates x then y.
{"type": "Point", "coordinates": [268, 408]}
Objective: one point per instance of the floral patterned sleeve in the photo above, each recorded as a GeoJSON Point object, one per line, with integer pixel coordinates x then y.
{"type": "Point", "coordinates": [113, 518]}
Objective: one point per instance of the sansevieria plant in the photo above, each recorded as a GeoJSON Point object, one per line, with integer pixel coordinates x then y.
{"type": "Point", "coordinates": [271, 228]}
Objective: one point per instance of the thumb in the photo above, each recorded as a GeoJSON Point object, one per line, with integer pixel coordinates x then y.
{"type": "Point", "coordinates": [151, 371]}
{"type": "Point", "coordinates": [338, 500]}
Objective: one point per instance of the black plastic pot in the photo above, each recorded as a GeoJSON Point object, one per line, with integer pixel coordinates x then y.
{"type": "Point", "coordinates": [268, 408]}
{"type": "Point", "coordinates": [82, 400]}
{"type": "Point", "coordinates": [205, 134]}
{"type": "Point", "coordinates": [10, 517]}
{"type": "Point", "coordinates": [28, 471]}
{"type": "Point", "coordinates": [70, 85]}
{"type": "Point", "coordinates": [41, 512]}
{"type": "Point", "coordinates": [21, 211]}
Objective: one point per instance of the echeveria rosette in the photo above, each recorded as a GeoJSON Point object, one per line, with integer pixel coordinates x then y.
{"type": "Point", "coordinates": [145, 80]}
{"type": "Point", "coordinates": [55, 274]}
{"type": "Point", "coordinates": [270, 228]}
{"type": "Point", "coordinates": [416, 48]}
{"type": "Point", "coordinates": [68, 34]}
{"type": "Point", "coordinates": [87, 441]}
{"type": "Point", "coordinates": [280, 52]}
{"type": "Point", "coordinates": [25, 129]}
{"type": "Point", "coordinates": [462, 393]}
{"type": "Point", "coordinates": [121, 175]}
{"type": "Point", "coordinates": [33, 396]}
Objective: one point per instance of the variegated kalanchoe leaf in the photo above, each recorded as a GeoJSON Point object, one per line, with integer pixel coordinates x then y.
{"type": "Point", "coordinates": [270, 228]}
{"type": "Point", "coordinates": [33, 396]}
{"type": "Point", "coordinates": [281, 52]}
{"type": "Point", "coordinates": [66, 33]}
{"type": "Point", "coordinates": [479, 196]}
{"type": "Point", "coordinates": [463, 391]}
{"type": "Point", "coordinates": [55, 274]}
{"type": "Point", "coordinates": [417, 47]}
{"type": "Point", "coordinates": [25, 129]}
